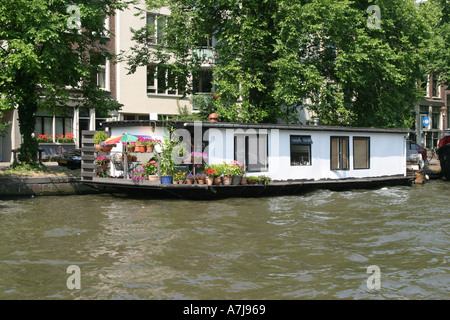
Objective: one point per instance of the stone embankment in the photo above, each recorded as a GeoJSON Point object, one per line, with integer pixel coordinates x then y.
{"type": "Point", "coordinates": [432, 168]}
{"type": "Point", "coordinates": [56, 181]}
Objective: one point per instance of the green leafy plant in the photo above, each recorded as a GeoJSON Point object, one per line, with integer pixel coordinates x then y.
{"type": "Point", "coordinates": [99, 137]}
{"type": "Point", "coordinates": [264, 179]}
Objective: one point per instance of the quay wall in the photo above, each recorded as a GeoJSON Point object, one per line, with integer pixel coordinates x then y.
{"type": "Point", "coordinates": [11, 187]}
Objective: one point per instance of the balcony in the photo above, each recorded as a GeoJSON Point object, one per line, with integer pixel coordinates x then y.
{"type": "Point", "coordinates": [206, 56]}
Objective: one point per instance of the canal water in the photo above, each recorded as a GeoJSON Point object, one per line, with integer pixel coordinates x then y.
{"type": "Point", "coordinates": [386, 243]}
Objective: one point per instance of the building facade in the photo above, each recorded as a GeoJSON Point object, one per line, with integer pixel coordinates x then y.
{"type": "Point", "coordinates": [432, 113]}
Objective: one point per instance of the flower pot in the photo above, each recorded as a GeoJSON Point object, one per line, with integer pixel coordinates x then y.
{"type": "Point", "coordinates": [98, 147]}
{"type": "Point", "coordinates": [139, 148]}
{"type": "Point", "coordinates": [244, 180]}
{"type": "Point", "coordinates": [130, 149]}
{"type": "Point", "coordinates": [227, 180]}
{"type": "Point", "coordinates": [209, 181]}
{"type": "Point", "coordinates": [217, 180]}
{"type": "Point", "coordinates": [180, 181]}
{"type": "Point", "coordinates": [101, 168]}
{"type": "Point", "coordinates": [150, 147]}
{"type": "Point", "coordinates": [153, 177]}
{"type": "Point", "coordinates": [236, 180]}
{"type": "Point", "coordinates": [249, 181]}
{"type": "Point", "coordinates": [189, 181]}
{"type": "Point", "coordinates": [166, 179]}
{"type": "Point", "coordinates": [106, 148]}
{"type": "Point", "coordinates": [201, 181]}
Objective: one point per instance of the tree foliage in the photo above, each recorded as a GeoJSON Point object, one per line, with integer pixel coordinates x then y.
{"type": "Point", "coordinates": [347, 64]}
{"type": "Point", "coordinates": [45, 61]}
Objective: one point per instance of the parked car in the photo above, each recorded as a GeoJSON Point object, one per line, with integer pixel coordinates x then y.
{"type": "Point", "coordinates": [71, 159]}
{"type": "Point", "coordinates": [413, 148]}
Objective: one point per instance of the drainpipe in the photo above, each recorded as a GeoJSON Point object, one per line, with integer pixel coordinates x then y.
{"type": "Point", "coordinates": [444, 116]}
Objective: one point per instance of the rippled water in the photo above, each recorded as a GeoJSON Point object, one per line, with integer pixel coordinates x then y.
{"type": "Point", "coordinates": [312, 246]}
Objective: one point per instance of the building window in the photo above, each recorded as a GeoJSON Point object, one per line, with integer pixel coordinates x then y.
{"type": "Point", "coordinates": [162, 80]}
{"type": "Point", "coordinates": [361, 153]}
{"type": "Point", "coordinates": [435, 86]}
{"type": "Point", "coordinates": [251, 151]}
{"type": "Point", "coordinates": [300, 150]}
{"type": "Point", "coordinates": [435, 118]}
{"type": "Point", "coordinates": [49, 125]}
{"type": "Point", "coordinates": [202, 82]}
{"type": "Point", "coordinates": [339, 153]}
{"type": "Point", "coordinates": [101, 62]}
{"type": "Point", "coordinates": [156, 24]}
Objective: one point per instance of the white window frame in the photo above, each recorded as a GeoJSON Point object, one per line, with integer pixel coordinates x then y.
{"type": "Point", "coordinates": [167, 91]}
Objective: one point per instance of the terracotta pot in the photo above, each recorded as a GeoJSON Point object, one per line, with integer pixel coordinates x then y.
{"type": "Point", "coordinates": [130, 149]}
{"type": "Point", "coordinates": [201, 181]}
{"type": "Point", "coordinates": [252, 181]}
{"type": "Point", "coordinates": [209, 181]}
{"type": "Point", "coordinates": [180, 181]}
{"type": "Point", "coordinates": [106, 148]}
{"type": "Point", "coordinates": [101, 168]}
{"type": "Point", "coordinates": [153, 177]}
{"type": "Point", "coordinates": [189, 181]}
{"type": "Point", "coordinates": [244, 181]}
{"type": "Point", "coordinates": [139, 148]}
{"type": "Point", "coordinates": [150, 148]}
{"type": "Point", "coordinates": [227, 180]}
{"type": "Point", "coordinates": [217, 181]}
{"type": "Point", "coordinates": [98, 147]}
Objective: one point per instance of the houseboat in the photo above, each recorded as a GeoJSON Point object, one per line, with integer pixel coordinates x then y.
{"type": "Point", "coordinates": [444, 156]}
{"type": "Point", "coordinates": [294, 158]}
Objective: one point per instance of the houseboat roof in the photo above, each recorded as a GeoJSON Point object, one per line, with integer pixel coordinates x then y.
{"type": "Point", "coordinates": [230, 125]}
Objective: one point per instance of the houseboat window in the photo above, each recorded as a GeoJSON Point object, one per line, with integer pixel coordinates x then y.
{"type": "Point", "coordinates": [339, 153]}
{"type": "Point", "coordinates": [361, 153]}
{"type": "Point", "coordinates": [300, 150]}
{"type": "Point", "coordinates": [251, 150]}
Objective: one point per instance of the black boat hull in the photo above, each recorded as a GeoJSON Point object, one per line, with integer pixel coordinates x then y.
{"type": "Point", "coordinates": [444, 159]}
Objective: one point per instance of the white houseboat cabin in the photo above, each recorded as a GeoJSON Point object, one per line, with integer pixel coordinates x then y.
{"type": "Point", "coordinates": [288, 154]}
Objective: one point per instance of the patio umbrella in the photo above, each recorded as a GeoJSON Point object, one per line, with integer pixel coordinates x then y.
{"type": "Point", "coordinates": [122, 138]}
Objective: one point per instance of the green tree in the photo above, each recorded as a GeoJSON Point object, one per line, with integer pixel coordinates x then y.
{"type": "Point", "coordinates": [46, 58]}
{"type": "Point", "coordinates": [347, 64]}
{"type": "Point", "coordinates": [440, 55]}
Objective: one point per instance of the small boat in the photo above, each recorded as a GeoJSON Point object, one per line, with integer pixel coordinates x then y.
{"type": "Point", "coordinates": [444, 156]}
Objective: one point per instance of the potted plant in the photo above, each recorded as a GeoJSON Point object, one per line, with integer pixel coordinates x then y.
{"type": "Point", "coordinates": [215, 171]}
{"type": "Point", "coordinates": [102, 164]}
{"type": "Point", "coordinates": [264, 180]}
{"type": "Point", "coordinates": [210, 174]}
{"type": "Point", "coordinates": [189, 179]}
{"type": "Point", "coordinates": [252, 180]}
{"type": "Point", "coordinates": [130, 146]}
{"type": "Point", "coordinates": [166, 161]}
{"type": "Point", "coordinates": [179, 177]}
{"type": "Point", "coordinates": [139, 145]}
{"type": "Point", "coordinates": [151, 169]}
{"type": "Point", "coordinates": [138, 175]}
{"type": "Point", "coordinates": [99, 137]}
{"type": "Point", "coordinates": [150, 144]}
{"type": "Point", "coordinates": [105, 147]}
{"type": "Point", "coordinates": [200, 178]}
{"type": "Point", "coordinates": [236, 170]}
